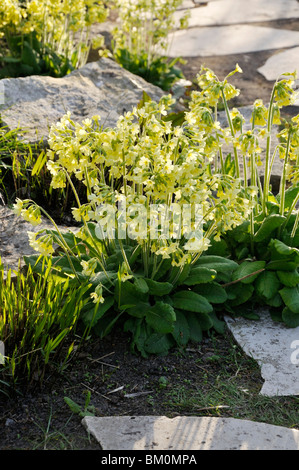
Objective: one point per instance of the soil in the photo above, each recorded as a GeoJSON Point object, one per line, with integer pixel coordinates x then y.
{"type": "Point", "coordinates": [39, 418]}
{"type": "Point", "coordinates": [120, 383]}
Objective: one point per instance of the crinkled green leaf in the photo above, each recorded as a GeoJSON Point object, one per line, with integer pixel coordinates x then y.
{"type": "Point", "coordinates": [191, 301]}
{"type": "Point", "coordinates": [267, 284]}
{"type": "Point", "coordinates": [161, 317]}
{"type": "Point", "coordinates": [290, 296]}
{"type": "Point", "coordinates": [290, 318]}
{"type": "Point", "coordinates": [212, 291]}
{"type": "Point", "coordinates": [248, 268]}
{"type": "Point", "coordinates": [200, 274]}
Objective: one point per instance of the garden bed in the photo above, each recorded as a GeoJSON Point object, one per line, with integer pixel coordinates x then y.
{"type": "Point", "coordinates": [212, 378]}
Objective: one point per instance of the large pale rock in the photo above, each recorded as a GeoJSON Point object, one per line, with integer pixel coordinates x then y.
{"type": "Point", "coordinates": [188, 433]}
{"type": "Point", "coordinates": [227, 12]}
{"type": "Point", "coordinates": [280, 63]}
{"type": "Point", "coordinates": [14, 243]}
{"type": "Point", "coordinates": [276, 349]}
{"type": "Point", "coordinates": [228, 39]}
{"type": "Point", "coordinates": [99, 88]}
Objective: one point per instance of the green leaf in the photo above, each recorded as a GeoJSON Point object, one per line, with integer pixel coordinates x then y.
{"type": "Point", "coordinates": [39, 164]}
{"type": "Point", "coordinates": [213, 292]}
{"type": "Point", "coordinates": [239, 293]}
{"type": "Point", "coordinates": [205, 320]}
{"type": "Point", "coordinates": [91, 315]}
{"type": "Point", "coordinates": [158, 288]}
{"type": "Point", "coordinates": [195, 330]}
{"type": "Point", "coordinates": [141, 285]}
{"type": "Point", "coordinates": [181, 331]}
{"type": "Point", "coordinates": [290, 318]}
{"type": "Point", "coordinates": [289, 196]}
{"type": "Point", "coordinates": [218, 324]}
{"type": "Point", "coordinates": [219, 264]}
{"type": "Point", "coordinates": [139, 310]}
{"type": "Point", "coordinates": [161, 317]}
{"type": "Point", "coordinates": [280, 250]}
{"type": "Point", "coordinates": [275, 301]}
{"type": "Point", "coordinates": [248, 268]}
{"type": "Point", "coordinates": [288, 278]}
{"type": "Point", "coordinates": [74, 407]}
{"type": "Point", "coordinates": [158, 344]}
{"type": "Point", "coordinates": [267, 284]}
{"type": "Point", "coordinates": [191, 301]}
{"type": "Point", "coordinates": [290, 296]}
{"type": "Point", "coordinates": [229, 165]}
{"type": "Point", "coordinates": [269, 224]}
{"type": "Point", "coordinates": [126, 294]}
{"type": "Point", "coordinates": [200, 274]}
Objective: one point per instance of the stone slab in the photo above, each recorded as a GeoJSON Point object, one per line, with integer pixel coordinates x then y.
{"type": "Point", "coordinates": [14, 243]}
{"type": "Point", "coordinates": [232, 39]}
{"type": "Point", "coordinates": [188, 433]}
{"type": "Point", "coordinates": [227, 12]}
{"type": "Point", "coordinates": [99, 88]}
{"type": "Point", "coordinates": [280, 63]}
{"type": "Point", "coordinates": [276, 349]}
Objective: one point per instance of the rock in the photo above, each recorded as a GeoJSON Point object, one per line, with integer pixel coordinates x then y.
{"type": "Point", "coordinates": [187, 433]}
{"type": "Point", "coordinates": [276, 349]}
{"type": "Point", "coordinates": [226, 12]}
{"type": "Point", "coordinates": [14, 244]}
{"type": "Point", "coordinates": [207, 41]}
{"type": "Point", "coordinates": [99, 88]}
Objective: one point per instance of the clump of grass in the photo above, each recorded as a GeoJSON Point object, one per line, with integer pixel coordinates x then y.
{"type": "Point", "coordinates": [38, 321]}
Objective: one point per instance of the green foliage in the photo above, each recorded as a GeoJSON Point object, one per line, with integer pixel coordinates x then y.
{"type": "Point", "coordinates": [163, 292]}
{"type": "Point", "coordinates": [30, 57]}
{"type": "Point", "coordinates": [141, 39]}
{"type": "Point", "coordinates": [161, 71]}
{"type": "Point", "coordinates": [159, 314]}
{"type": "Point", "coordinates": [38, 320]}
{"type": "Point", "coordinates": [86, 410]}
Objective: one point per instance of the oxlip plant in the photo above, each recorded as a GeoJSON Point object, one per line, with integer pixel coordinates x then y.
{"type": "Point", "coordinates": [46, 36]}
{"type": "Point", "coordinates": [155, 202]}
{"type": "Point", "coordinates": [141, 39]}
{"type": "Point", "coordinates": [266, 245]}
{"type": "Point", "coordinates": [176, 230]}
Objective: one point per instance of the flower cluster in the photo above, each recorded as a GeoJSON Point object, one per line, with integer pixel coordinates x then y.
{"type": "Point", "coordinates": [55, 23]}
{"type": "Point", "coordinates": [150, 163]}
{"type": "Point", "coordinates": [145, 26]}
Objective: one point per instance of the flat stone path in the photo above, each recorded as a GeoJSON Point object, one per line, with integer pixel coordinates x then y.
{"type": "Point", "coordinates": [275, 347]}
{"type": "Point", "coordinates": [188, 433]}
{"type": "Point", "coordinates": [224, 27]}
{"type": "Point", "coordinates": [230, 39]}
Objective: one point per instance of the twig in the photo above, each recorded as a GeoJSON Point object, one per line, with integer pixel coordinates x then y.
{"type": "Point", "coordinates": [95, 391]}
{"type": "Point", "coordinates": [137, 394]}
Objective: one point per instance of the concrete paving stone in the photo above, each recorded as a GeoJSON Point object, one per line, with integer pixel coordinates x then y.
{"type": "Point", "coordinates": [188, 433]}
{"type": "Point", "coordinates": [227, 12]}
{"type": "Point", "coordinates": [225, 40]}
{"type": "Point", "coordinates": [276, 349]}
{"type": "Point", "coordinates": [280, 63]}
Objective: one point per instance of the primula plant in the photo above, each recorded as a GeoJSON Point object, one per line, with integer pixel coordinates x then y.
{"type": "Point", "coordinates": [266, 245]}
{"type": "Point", "coordinates": [155, 202]}
{"type": "Point", "coordinates": [46, 36]}
{"type": "Point", "coordinates": [172, 234]}
{"type": "Point", "coordinates": [141, 40]}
